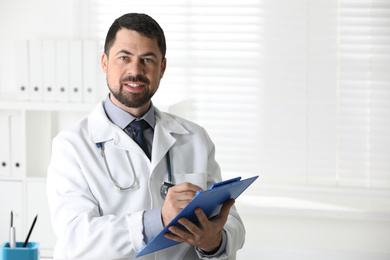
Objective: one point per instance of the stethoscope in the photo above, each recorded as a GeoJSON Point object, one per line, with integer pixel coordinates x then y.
{"type": "Point", "coordinates": [164, 186]}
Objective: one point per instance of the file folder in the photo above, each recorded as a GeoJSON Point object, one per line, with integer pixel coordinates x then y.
{"type": "Point", "coordinates": [90, 65]}
{"type": "Point", "coordinates": [17, 141]}
{"type": "Point", "coordinates": [76, 71]}
{"type": "Point", "coordinates": [210, 201]}
{"type": "Point", "coordinates": [36, 70]}
{"type": "Point", "coordinates": [22, 69]}
{"type": "Point", "coordinates": [62, 71]}
{"type": "Point", "coordinates": [5, 146]}
{"type": "Point", "coordinates": [49, 75]}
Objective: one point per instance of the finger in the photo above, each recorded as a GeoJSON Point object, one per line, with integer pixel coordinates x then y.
{"type": "Point", "coordinates": [191, 227]}
{"type": "Point", "coordinates": [227, 205]}
{"type": "Point", "coordinates": [179, 205]}
{"type": "Point", "coordinates": [201, 216]}
{"type": "Point", "coordinates": [179, 199]}
{"type": "Point", "coordinates": [180, 233]}
{"type": "Point", "coordinates": [183, 192]}
{"type": "Point", "coordinates": [186, 186]}
{"type": "Point", "coordinates": [174, 237]}
{"type": "Point", "coordinates": [185, 196]}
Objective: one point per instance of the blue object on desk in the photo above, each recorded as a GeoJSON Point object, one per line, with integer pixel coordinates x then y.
{"type": "Point", "coordinates": [210, 201]}
{"type": "Point", "coordinates": [30, 252]}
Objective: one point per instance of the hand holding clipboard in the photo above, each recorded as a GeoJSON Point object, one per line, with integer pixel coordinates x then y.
{"type": "Point", "coordinates": [210, 201]}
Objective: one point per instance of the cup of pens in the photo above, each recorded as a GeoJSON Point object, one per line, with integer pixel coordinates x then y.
{"type": "Point", "coordinates": [13, 250]}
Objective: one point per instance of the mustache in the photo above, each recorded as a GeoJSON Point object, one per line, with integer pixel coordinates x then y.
{"type": "Point", "coordinates": [138, 78]}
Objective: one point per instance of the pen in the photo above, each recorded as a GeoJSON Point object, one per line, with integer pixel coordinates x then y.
{"type": "Point", "coordinates": [168, 184]}
{"type": "Point", "coordinates": [29, 233]}
{"type": "Point", "coordinates": [12, 239]}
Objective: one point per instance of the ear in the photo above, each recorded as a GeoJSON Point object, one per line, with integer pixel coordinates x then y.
{"type": "Point", "coordinates": [163, 67]}
{"type": "Point", "coordinates": [103, 62]}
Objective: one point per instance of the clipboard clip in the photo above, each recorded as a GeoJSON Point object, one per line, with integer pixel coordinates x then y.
{"type": "Point", "coordinates": [227, 182]}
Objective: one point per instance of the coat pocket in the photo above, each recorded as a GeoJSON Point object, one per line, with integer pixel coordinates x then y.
{"type": "Point", "coordinates": [199, 179]}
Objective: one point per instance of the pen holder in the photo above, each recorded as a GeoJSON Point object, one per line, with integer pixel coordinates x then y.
{"type": "Point", "coordinates": [30, 252]}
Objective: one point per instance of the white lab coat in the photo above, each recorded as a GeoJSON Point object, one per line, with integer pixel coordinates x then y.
{"type": "Point", "coordinates": [92, 219]}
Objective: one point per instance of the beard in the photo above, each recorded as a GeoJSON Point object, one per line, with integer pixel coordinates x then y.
{"type": "Point", "coordinates": [133, 100]}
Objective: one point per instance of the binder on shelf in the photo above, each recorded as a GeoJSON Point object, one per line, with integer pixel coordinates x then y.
{"type": "Point", "coordinates": [62, 71]}
{"type": "Point", "coordinates": [17, 151]}
{"type": "Point", "coordinates": [22, 69]}
{"type": "Point", "coordinates": [210, 201]}
{"type": "Point", "coordinates": [35, 66]}
{"type": "Point", "coordinates": [90, 65]}
{"type": "Point", "coordinates": [49, 68]}
{"type": "Point", "coordinates": [5, 148]}
{"type": "Point", "coordinates": [76, 82]}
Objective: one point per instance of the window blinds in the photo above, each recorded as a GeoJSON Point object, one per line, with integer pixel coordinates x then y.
{"type": "Point", "coordinates": [364, 91]}
{"type": "Point", "coordinates": [297, 91]}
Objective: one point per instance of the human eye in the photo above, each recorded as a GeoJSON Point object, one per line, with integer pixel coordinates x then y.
{"type": "Point", "coordinates": [124, 58]}
{"type": "Point", "coordinates": [148, 60]}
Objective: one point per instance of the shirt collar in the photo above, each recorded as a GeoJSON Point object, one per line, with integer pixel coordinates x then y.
{"type": "Point", "coordinates": [122, 118]}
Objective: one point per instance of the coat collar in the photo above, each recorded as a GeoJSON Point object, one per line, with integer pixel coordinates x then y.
{"type": "Point", "coordinates": [101, 129]}
{"type": "Point", "coordinates": [99, 126]}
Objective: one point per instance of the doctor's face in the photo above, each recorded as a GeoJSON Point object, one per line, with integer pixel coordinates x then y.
{"type": "Point", "coordinates": [134, 68]}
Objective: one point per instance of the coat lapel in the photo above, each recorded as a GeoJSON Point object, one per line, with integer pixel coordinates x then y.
{"type": "Point", "coordinates": [99, 126]}
{"type": "Point", "coordinates": [101, 129]}
{"type": "Point", "coordinates": [165, 129]}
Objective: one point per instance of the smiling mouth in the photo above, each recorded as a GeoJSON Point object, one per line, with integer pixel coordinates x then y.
{"type": "Point", "coordinates": [134, 82]}
{"type": "Point", "coordinates": [134, 85]}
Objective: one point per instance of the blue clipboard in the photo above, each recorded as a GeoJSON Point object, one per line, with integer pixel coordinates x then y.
{"type": "Point", "coordinates": [210, 201]}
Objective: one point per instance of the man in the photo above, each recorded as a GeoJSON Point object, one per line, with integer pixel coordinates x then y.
{"type": "Point", "coordinates": [105, 175]}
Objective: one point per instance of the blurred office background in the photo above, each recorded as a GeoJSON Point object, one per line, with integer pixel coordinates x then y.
{"type": "Point", "coordinates": [297, 92]}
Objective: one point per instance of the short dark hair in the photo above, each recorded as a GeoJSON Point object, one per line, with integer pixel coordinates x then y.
{"type": "Point", "coordinates": [141, 23]}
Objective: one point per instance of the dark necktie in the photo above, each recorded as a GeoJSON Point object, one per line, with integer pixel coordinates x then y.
{"type": "Point", "coordinates": [137, 127]}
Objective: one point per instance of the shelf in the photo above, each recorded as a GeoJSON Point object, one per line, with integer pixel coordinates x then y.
{"type": "Point", "coordinates": [46, 106]}
{"type": "Point", "coordinates": [22, 179]}
{"type": "Point", "coordinates": [36, 179]}
{"type": "Point", "coordinates": [11, 178]}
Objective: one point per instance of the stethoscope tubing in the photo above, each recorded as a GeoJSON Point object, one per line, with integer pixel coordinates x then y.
{"type": "Point", "coordinates": [164, 188]}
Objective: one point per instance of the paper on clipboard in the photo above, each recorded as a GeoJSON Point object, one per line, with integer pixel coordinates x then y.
{"type": "Point", "coordinates": [210, 201]}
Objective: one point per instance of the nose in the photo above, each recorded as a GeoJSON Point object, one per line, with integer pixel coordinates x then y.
{"type": "Point", "coordinates": [135, 67]}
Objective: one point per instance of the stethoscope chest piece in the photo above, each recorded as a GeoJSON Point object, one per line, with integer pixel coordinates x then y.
{"type": "Point", "coordinates": [164, 189]}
